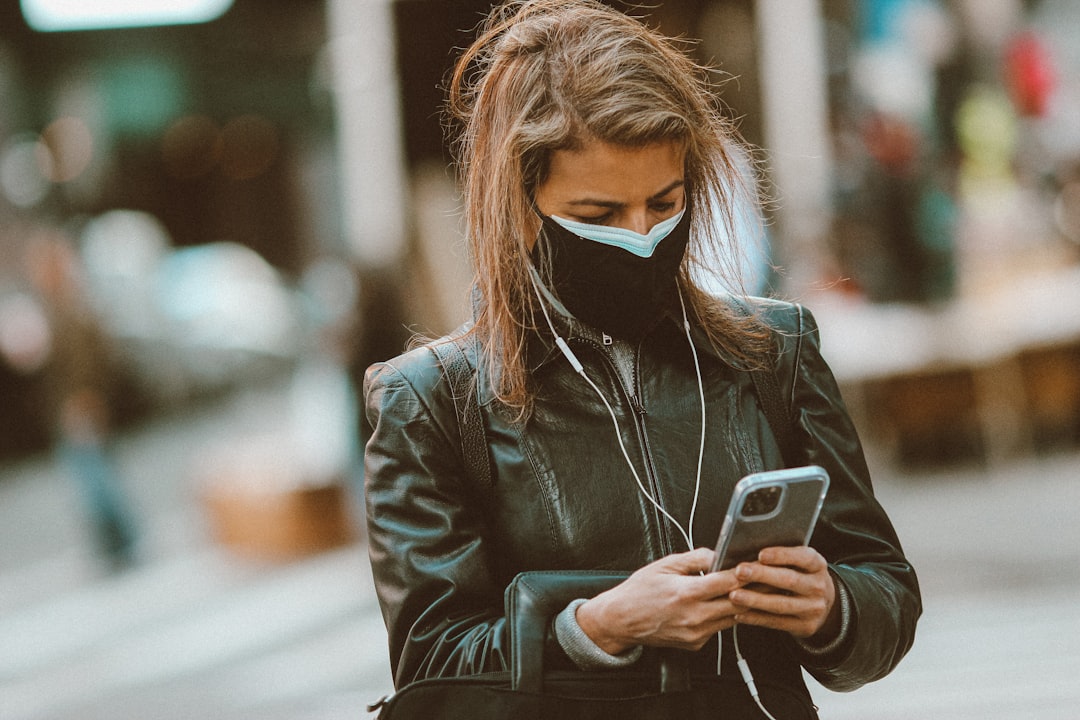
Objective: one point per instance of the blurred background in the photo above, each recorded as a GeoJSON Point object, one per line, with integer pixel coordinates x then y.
{"type": "Point", "coordinates": [215, 214]}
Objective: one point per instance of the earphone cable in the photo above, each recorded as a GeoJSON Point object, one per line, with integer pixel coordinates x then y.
{"type": "Point", "coordinates": [561, 343]}
{"type": "Point", "coordinates": [747, 676]}
{"type": "Point", "coordinates": [743, 665]}
{"type": "Point", "coordinates": [701, 395]}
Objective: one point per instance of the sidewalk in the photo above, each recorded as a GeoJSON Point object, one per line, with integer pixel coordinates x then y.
{"type": "Point", "coordinates": [194, 631]}
{"type": "Point", "coordinates": [998, 557]}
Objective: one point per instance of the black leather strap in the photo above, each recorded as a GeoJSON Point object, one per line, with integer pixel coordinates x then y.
{"type": "Point", "coordinates": [776, 412]}
{"type": "Point", "coordinates": [772, 402]}
{"type": "Point", "coordinates": [463, 387]}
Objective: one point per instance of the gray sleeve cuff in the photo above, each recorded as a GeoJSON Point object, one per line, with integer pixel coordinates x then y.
{"type": "Point", "coordinates": [844, 598]}
{"type": "Point", "coordinates": [580, 648]}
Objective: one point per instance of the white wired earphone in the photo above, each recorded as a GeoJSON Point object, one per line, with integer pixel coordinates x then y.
{"type": "Point", "coordinates": [688, 532]}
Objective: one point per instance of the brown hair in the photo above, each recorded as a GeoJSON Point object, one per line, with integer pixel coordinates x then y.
{"type": "Point", "coordinates": [547, 75]}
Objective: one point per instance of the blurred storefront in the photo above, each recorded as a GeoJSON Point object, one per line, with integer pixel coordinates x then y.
{"type": "Point", "coordinates": [923, 153]}
{"type": "Point", "coordinates": [193, 167]}
{"type": "Point", "coordinates": [953, 245]}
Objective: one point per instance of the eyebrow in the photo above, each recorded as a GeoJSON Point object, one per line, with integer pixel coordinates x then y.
{"type": "Point", "coordinates": [616, 205]}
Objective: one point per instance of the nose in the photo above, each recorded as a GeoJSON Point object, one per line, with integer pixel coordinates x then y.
{"type": "Point", "coordinates": [638, 221]}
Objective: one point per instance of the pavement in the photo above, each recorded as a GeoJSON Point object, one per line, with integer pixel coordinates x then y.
{"type": "Point", "coordinates": [194, 629]}
{"type": "Point", "coordinates": [998, 555]}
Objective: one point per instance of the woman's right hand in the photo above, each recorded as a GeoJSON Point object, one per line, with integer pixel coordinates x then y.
{"type": "Point", "coordinates": [667, 603]}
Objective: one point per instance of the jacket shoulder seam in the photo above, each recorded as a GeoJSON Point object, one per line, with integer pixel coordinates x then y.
{"type": "Point", "coordinates": [404, 380]}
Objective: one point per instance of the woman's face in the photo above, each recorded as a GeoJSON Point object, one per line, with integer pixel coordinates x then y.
{"type": "Point", "coordinates": [629, 188]}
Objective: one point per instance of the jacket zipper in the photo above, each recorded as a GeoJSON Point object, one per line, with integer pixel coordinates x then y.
{"type": "Point", "coordinates": [624, 371]}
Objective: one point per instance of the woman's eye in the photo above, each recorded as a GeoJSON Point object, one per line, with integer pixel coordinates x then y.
{"type": "Point", "coordinates": [663, 207]}
{"type": "Point", "coordinates": [597, 220]}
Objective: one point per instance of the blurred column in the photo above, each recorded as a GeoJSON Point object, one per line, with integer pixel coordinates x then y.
{"type": "Point", "coordinates": [796, 132]}
{"type": "Point", "coordinates": [368, 102]}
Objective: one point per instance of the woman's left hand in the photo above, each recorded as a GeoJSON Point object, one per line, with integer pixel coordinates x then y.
{"type": "Point", "coordinates": [789, 589]}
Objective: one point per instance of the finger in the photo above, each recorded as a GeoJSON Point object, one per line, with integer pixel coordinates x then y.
{"type": "Point", "coordinates": [707, 588]}
{"type": "Point", "coordinates": [689, 563]}
{"type": "Point", "coordinates": [783, 578]}
{"type": "Point", "coordinates": [694, 638]}
{"type": "Point", "coordinates": [796, 626]}
{"type": "Point", "coordinates": [693, 625]}
{"type": "Point", "coordinates": [711, 618]}
{"type": "Point", "coordinates": [776, 604]}
{"type": "Point", "coordinates": [780, 578]}
{"type": "Point", "coordinates": [803, 557]}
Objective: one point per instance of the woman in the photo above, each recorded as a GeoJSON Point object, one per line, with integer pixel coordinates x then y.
{"type": "Point", "coordinates": [615, 395]}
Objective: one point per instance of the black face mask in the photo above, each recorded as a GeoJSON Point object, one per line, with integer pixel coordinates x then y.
{"type": "Point", "coordinates": [607, 287]}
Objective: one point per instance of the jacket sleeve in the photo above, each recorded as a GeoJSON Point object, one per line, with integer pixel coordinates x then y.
{"type": "Point", "coordinates": [854, 533]}
{"type": "Point", "coordinates": [442, 609]}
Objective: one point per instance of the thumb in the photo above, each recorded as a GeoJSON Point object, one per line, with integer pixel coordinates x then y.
{"type": "Point", "coordinates": [692, 562]}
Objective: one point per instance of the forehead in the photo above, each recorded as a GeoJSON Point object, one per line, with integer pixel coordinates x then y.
{"type": "Point", "coordinates": [614, 172]}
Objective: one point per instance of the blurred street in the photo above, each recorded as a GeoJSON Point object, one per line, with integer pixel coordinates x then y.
{"type": "Point", "coordinates": [998, 557]}
{"type": "Point", "coordinates": [194, 630]}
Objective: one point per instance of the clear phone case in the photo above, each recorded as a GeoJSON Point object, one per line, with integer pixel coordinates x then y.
{"type": "Point", "coordinates": [778, 508]}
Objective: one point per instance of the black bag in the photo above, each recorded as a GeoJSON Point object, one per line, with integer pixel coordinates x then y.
{"type": "Point", "coordinates": [653, 690]}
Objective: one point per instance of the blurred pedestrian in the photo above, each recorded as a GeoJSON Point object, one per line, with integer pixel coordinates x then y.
{"type": "Point", "coordinates": [76, 377]}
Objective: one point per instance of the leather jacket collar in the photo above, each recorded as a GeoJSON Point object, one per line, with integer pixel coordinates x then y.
{"type": "Point", "coordinates": [540, 348]}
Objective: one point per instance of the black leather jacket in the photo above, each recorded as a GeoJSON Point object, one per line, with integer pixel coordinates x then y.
{"type": "Point", "coordinates": [443, 550]}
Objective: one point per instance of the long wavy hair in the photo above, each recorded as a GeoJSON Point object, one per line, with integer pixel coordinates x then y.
{"type": "Point", "coordinates": [547, 75]}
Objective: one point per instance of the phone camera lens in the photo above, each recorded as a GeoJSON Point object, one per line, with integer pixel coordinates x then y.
{"type": "Point", "coordinates": [762, 501]}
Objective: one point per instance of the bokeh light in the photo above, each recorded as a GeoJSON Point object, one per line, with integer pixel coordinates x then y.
{"type": "Point", "coordinates": [25, 169]}
{"type": "Point", "coordinates": [25, 338]}
{"type": "Point", "coordinates": [191, 147]}
{"type": "Point", "coordinates": [71, 144]}
{"type": "Point", "coordinates": [250, 146]}
{"type": "Point", "coordinates": [58, 15]}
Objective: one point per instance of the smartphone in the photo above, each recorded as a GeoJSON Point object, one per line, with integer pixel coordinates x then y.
{"type": "Point", "coordinates": [778, 508]}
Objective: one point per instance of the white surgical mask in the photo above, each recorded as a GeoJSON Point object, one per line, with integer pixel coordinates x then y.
{"type": "Point", "coordinates": [632, 242]}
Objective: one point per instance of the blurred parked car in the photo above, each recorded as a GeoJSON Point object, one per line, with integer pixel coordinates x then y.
{"type": "Point", "coordinates": [189, 321]}
{"type": "Point", "coordinates": [180, 323]}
